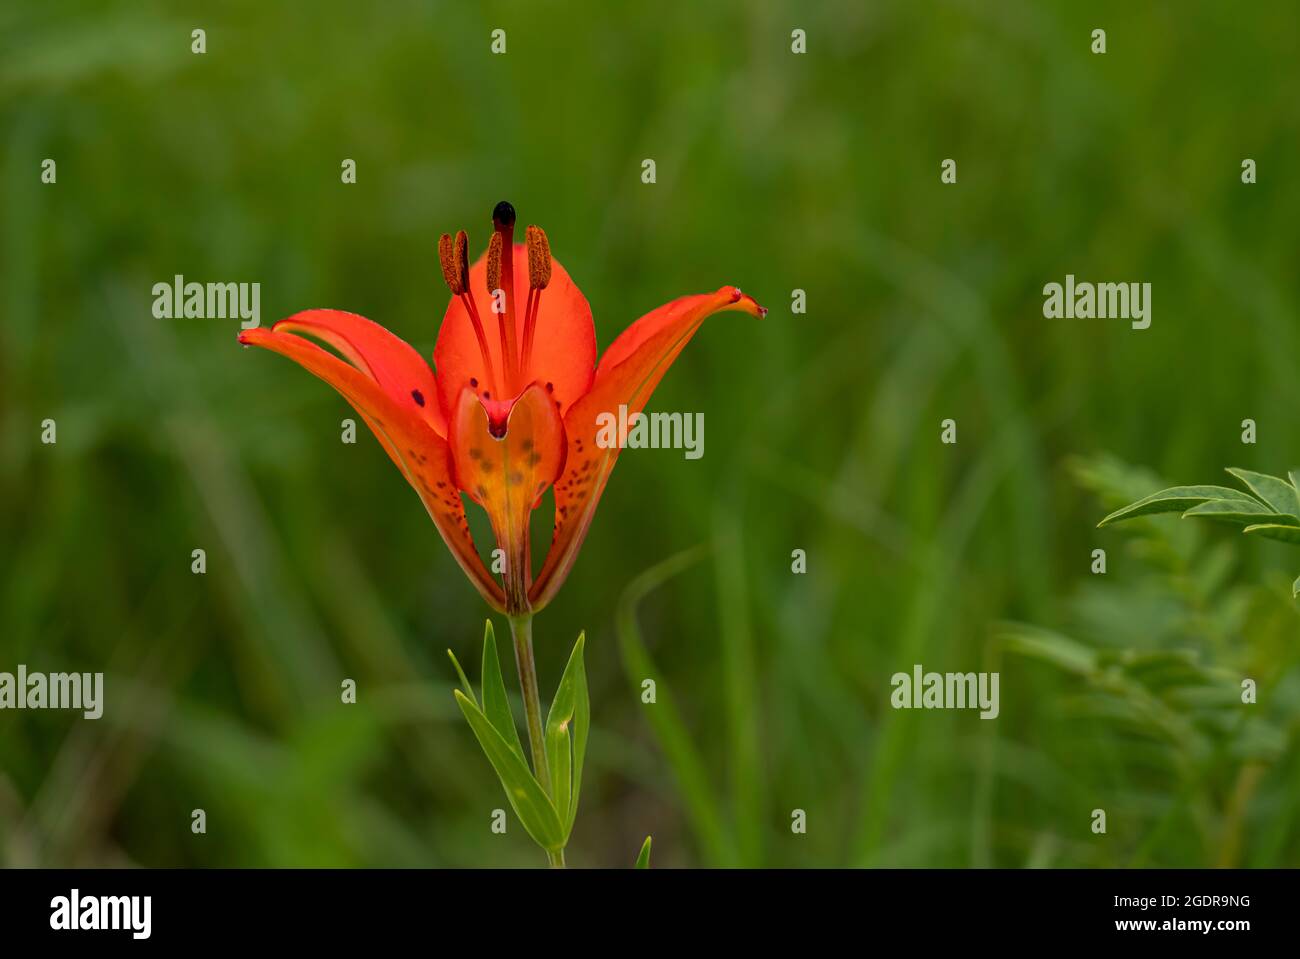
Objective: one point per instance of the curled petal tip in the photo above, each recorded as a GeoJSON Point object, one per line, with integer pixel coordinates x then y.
{"type": "Point", "coordinates": [744, 302]}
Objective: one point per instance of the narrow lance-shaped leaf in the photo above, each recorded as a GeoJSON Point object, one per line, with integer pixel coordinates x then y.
{"type": "Point", "coordinates": [525, 795]}
{"type": "Point", "coordinates": [469, 690]}
{"type": "Point", "coordinates": [1242, 512]}
{"type": "Point", "coordinates": [1176, 499]}
{"type": "Point", "coordinates": [643, 859]}
{"type": "Point", "coordinates": [1294, 477]}
{"type": "Point", "coordinates": [1277, 493]}
{"type": "Point", "coordinates": [581, 727]}
{"type": "Point", "coordinates": [1287, 533]}
{"type": "Point", "coordinates": [559, 757]}
{"type": "Point", "coordinates": [496, 704]}
{"type": "Point", "coordinates": [570, 720]}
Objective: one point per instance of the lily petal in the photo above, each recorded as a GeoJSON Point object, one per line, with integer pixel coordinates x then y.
{"type": "Point", "coordinates": [507, 473]}
{"type": "Point", "coordinates": [388, 359]}
{"type": "Point", "coordinates": [409, 439]}
{"type": "Point", "coordinates": [629, 371]}
{"type": "Point", "coordinates": [564, 338]}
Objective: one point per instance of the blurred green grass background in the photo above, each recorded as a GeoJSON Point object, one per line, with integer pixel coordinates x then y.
{"type": "Point", "coordinates": [775, 172]}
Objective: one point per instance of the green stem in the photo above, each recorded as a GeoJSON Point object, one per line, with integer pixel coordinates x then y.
{"type": "Point", "coordinates": [521, 631]}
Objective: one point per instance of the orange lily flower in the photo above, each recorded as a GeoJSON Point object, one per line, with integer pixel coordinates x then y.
{"type": "Point", "coordinates": [515, 403]}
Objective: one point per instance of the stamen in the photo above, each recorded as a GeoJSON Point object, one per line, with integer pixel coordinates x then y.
{"type": "Point", "coordinates": [526, 350]}
{"type": "Point", "coordinates": [454, 257]}
{"type": "Point", "coordinates": [461, 251]}
{"type": "Point", "coordinates": [450, 274]}
{"type": "Point", "coordinates": [539, 277]}
{"type": "Point", "coordinates": [494, 264]}
{"type": "Point", "coordinates": [539, 258]}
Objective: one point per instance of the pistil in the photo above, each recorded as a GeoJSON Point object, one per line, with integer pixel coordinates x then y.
{"type": "Point", "coordinates": [503, 222]}
{"type": "Point", "coordinates": [516, 345]}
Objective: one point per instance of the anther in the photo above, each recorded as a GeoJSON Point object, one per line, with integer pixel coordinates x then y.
{"type": "Point", "coordinates": [460, 250]}
{"type": "Point", "coordinates": [539, 258]}
{"type": "Point", "coordinates": [450, 274]}
{"type": "Point", "coordinates": [494, 264]}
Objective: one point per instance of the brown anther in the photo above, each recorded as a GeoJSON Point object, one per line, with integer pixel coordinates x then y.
{"type": "Point", "coordinates": [539, 258]}
{"type": "Point", "coordinates": [460, 251]}
{"type": "Point", "coordinates": [446, 256]}
{"type": "Point", "coordinates": [494, 264]}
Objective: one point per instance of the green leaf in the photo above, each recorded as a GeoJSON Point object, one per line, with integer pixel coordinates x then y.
{"type": "Point", "coordinates": [1286, 533]}
{"type": "Point", "coordinates": [1061, 651]}
{"type": "Point", "coordinates": [469, 690]}
{"type": "Point", "coordinates": [526, 796]}
{"type": "Point", "coordinates": [559, 760]}
{"type": "Point", "coordinates": [569, 721]}
{"type": "Point", "coordinates": [1295, 588]}
{"type": "Point", "coordinates": [1242, 512]}
{"type": "Point", "coordinates": [1277, 493]}
{"type": "Point", "coordinates": [496, 704]}
{"type": "Point", "coordinates": [1176, 499]}
{"type": "Point", "coordinates": [643, 860]}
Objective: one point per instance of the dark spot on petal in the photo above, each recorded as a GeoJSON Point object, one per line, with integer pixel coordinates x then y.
{"type": "Point", "coordinates": [475, 453]}
{"type": "Point", "coordinates": [473, 381]}
{"type": "Point", "coordinates": [418, 397]}
{"type": "Point", "coordinates": [550, 387]}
